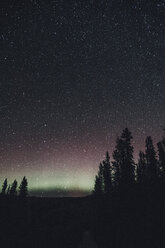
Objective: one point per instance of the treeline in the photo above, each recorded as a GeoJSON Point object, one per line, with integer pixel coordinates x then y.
{"type": "Point", "coordinates": [13, 189]}
{"type": "Point", "coordinates": [123, 173]}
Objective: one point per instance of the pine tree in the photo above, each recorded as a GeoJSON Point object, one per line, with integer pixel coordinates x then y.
{"type": "Point", "coordinates": [99, 184]}
{"type": "Point", "coordinates": [161, 155]}
{"type": "Point", "coordinates": [4, 187]}
{"type": "Point", "coordinates": [128, 165]}
{"type": "Point", "coordinates": [116, 175]}
{"type": "Point", "coordinates": [123, 160]}
{"type": "Point", "coordinates": [13, 190]}
{"type": "Point", "coordinates": [141, 167]}
{"type": "Point", "coordinates": [8, 190]}
{"type": "Point", "coordinates": [151, 161]}
{"type": "Point", "coordinates": [107, 176]}
{"type": "Point", "coordinates": [117, 163]}
{"type": "Point", "coordinates": [23, 188]}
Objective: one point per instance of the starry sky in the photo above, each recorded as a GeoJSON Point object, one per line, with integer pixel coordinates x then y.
{"type": "Point", "coordinates": [73, 75]}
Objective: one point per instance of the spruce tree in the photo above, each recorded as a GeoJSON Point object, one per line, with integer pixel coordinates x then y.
{"type": "Point", "coordinates": [127, 165]}
{"type": "Point", "coordinates": [151, 161]}
{"type": "Point", "coordinates": [23, 188]}
{"type": "Point", "coordinates": [13, 190]}
{"type": "Point", "coordinates": [107, 176]}
{"type": "Point", "coordinates": [4, 187]}
{"type": "Point", "coordinates": [141, 167]}
{"type": "Point", "coordinates": [98, 186]}
{"type": "Point", "coordinates": [117, 163]}
{"type": "Point", "coordinates": [8, 190]}
{"type": "Point", "coordinates": [99, 183]}
{"type": "Point", "coordinates": [161, 155]}
{"type": "Point", "coordinates": [123, 159]}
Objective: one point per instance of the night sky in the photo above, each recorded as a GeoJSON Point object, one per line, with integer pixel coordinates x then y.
{"type": "Point", "coordinates": [73, 74]}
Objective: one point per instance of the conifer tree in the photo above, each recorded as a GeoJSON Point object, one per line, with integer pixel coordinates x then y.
{"type": "Point", "coordinates": [123, 159]}
{"type": "Point", "coordinates": [128, 165]}
{"type": "Point", "coordinates": [107, 176]}
{"type": "Point", "coordinates": [23, 188]}
{"type": "Point", "coordinates": [117, 163]}
{"type": "Point", "coordinates": [13, 190]}
{"type": "Point", "coordinates": [141, 167]}
{"type": "Point", "coordinates": [99, 184]}
{"type": "Point", "coordinates": [116, 175]}
{"type": "Point", "coordinates": [151, 161]}
{"type": "Point", "coordinates": [8, 190]}
{"type": "Point", "coordinates": [4, 187]}
{"type": "Point", "coordinates": [161, 155]}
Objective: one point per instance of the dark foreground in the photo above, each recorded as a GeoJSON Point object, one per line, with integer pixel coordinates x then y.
{"type": "Point", "coordinates": [122, 220]}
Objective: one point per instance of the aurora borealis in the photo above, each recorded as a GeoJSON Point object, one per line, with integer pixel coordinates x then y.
{"type": "Point", "coordinates": [73, 75]}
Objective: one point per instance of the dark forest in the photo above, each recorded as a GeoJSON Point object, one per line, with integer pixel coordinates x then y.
{"type": "Point", "coordinates": [125, 209]}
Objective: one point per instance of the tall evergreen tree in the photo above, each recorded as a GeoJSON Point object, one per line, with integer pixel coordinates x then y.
{"type": "Point", "coordinates": [123, 159]}
{"type": "Point", "coordinates": [141, 167]}
{"type": "Point", "coordinates": [13, 190]}
{"type": "Point", "coordinates": [107, 175]}
{"type": "Point", "coordinates": [128, 165]}
{"type": "Point", "coordinates": [161, 155]}
{"type": "Point", "coordinates": [117, 156]}
{"type": "Point", "coordinates": [23, 188]}
{"type": "Point", "coordinates": [4, 187]}
{"type": "Point", "coordinates": [117, 163]}
{"type": "Point", "coordinates": [98, 186]}
{"type": "Point", "coordinates": [99, 182]}
{"type": "Point", "coordinates": [116, 174]}
{"type": "Point", "coordinates": [151, 160]}
{"type": "Point", "coordinates": [8, 190]}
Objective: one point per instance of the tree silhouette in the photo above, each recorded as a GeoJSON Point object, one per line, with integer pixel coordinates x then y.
{"type": "Point", "coordinates": [97, 187]}
{"type": "Point", "coordinates": [128, 165]}
{"type": "Point", "coordinates": [103, 180]}
{"type": "Point", "coordinates": [123, 160]}
{"type": "Point", "coordinates": [107, 176]}
{"type": "Point", "coordinates": [4, 187]}
{"type": "Point", "coordinates": [117, 163]}
{"type": "Point", "coordinates": [141, 168]}
{"type": "Point", "coordinates": [23, 188]}
{"type": "Point", "coordinates": [99, 182]}
{"type": "Point", "coordinates": [8, 190]}
{"type": "Point", "coordinates": [13, 190]}
{"type": "Point", "coordinates": [161, 155]}
{"type": "Point", "coordinates": [116, 174]}
{"type": "Point", "coordinates": [151, 161]}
